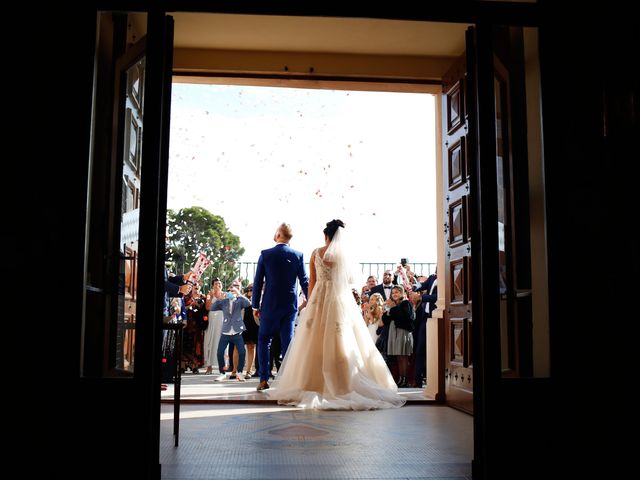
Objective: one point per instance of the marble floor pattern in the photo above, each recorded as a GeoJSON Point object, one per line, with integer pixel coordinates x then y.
{"type": "Point", "coordinates": [267, 441]}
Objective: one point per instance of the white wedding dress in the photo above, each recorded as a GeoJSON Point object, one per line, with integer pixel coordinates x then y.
{"type": "Point", "coordinates": [332, 362]}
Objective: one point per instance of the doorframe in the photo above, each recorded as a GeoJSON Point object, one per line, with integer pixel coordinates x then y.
{"type": "Point", "coordinates": [483, 331]}
{"type": "Point", "coordinates": [435, 387]}
{"type": "Point", "coordinates": [472, 12]}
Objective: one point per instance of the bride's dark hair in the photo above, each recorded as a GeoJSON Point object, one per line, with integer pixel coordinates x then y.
{"type": "Point", "coordinates": [332, 227]}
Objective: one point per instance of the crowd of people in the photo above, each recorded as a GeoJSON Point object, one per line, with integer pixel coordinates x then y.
{"type": "Point", "coordinates": [221, 333]}
{"type": "Point", "coordinates": [209, 342]}
{"type": "Point", "coordinates": [395, 312]}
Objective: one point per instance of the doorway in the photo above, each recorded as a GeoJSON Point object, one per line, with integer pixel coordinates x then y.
{"type": "Point", "coordinates": [243, 158]}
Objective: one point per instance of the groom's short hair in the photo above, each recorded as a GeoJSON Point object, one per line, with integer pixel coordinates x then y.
{"type": "Point", "coordinates": [286, 231]}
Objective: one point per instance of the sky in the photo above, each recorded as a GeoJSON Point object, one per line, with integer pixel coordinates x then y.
{"type": "Point", "coordinates": [260, 156]}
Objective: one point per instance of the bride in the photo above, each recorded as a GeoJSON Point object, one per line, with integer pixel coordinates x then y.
{"type": "Point", "coordinates": [332, 362]}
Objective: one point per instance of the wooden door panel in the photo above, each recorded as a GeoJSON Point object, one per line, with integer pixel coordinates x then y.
{"type": "Point", "coordinates": [455, 106]}
{"type": "Point", "coordinates": [457, 163]}
{"type": "Point", "coordinates": [459, 370]}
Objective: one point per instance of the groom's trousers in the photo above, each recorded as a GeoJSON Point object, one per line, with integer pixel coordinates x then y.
{"type": "Point", "coordinates": [269, 327]}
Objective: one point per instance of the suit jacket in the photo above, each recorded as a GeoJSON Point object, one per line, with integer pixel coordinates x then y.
{"type": "Point", "coordinates": [429, 299]}
{"type": "Point", "coordinates": [277, 270]}
{"type": "Point", "coordinates": [402, 314]}
{"type": "Point", "coordinates": [171, 289]}
{"type": "Point", "coordinates": [235, 318]}
{"type": "Point", "coordinates": [172, 284]}
{"type": "Point", "coordinates": [426, 285]}
{"type": "Point", "coordinates": [380, 289]}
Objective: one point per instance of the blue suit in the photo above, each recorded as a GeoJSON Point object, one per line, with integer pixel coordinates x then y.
{"type": "Point", "coordinates": [427, 306]}
{"type": "Point", "coordinates": [171, 289]}
{"type": "Point", "coordinates": [278, 269]}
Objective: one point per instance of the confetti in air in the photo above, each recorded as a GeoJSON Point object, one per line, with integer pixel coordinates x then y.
{"type": "Point", "coordinates": [259, 155]}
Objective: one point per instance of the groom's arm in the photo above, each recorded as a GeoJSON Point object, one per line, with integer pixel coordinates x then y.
{"type": "Point", "coordinates": [258, 282]}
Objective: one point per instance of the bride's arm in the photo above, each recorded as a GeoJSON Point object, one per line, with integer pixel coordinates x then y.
{"type": "Point", "coordinates": [312, 273]}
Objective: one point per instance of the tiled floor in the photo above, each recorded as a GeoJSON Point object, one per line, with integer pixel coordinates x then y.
{"type": "Point", "coordinates": [266, 441]}
{"type": "Point", "coordinates": [203, 389]}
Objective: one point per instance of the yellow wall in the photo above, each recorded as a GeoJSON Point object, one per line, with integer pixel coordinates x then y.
{"type": "Point", "coordinates": [192, 60]}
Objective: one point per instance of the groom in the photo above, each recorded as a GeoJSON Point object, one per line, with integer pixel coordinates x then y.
{"type": "Point", "coordinates": [278, 268]}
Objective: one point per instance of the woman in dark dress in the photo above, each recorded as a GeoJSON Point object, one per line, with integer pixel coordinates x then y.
{"type": "Point", "coordinates": [400, 341]}
{"type": "Point", "coordinates": [250, 335]}
{"type": "Point", "coordinates": [193, 334]}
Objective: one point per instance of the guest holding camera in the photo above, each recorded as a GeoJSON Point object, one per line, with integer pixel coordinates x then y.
{"type": "Point", "coordinates": [232, 307]}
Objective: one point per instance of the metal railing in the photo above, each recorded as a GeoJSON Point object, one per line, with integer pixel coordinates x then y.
{"type": "Point", "coordinates": [247, 270]}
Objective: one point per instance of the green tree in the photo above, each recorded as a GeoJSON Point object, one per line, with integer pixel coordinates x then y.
{"type": "Point", "coordinates": [193, 230]}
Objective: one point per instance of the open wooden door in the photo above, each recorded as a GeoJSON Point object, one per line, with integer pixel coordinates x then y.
{"type": "Point", "coordinates": [504, 157]}
{"type": "Point", "coordinates": [122, 313]}
{"type": "Point", "coordinates": [457, 132]}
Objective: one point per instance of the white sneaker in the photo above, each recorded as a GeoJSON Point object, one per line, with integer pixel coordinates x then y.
{"type": "Point", "coordinates": [220, 378]}
{"type": "Point", "coordinates": [240, 377]}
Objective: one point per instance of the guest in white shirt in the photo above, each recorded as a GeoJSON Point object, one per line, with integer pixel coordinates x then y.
{"type": "Point", "coordinates": [384, 288]}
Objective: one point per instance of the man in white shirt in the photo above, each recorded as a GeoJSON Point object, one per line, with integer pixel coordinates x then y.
{"type": "Point", "coordinates": [384, 288]}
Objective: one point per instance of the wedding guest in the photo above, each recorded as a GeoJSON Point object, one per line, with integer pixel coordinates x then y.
{"type": "Point", "coordinates": [232, 307]}
{"type": "Point", "coordinates": [423, 313]}
{"type": "Point", "coordinates": [400, 342]}
{"type": "Point", "coordinates": [250, 335]}
{"type": "Point", "coordinates": [384, 288]}
{"type": "Point", "coordinates": [215, 319]}
{"type": "Point", "coordinates": [373, 315]}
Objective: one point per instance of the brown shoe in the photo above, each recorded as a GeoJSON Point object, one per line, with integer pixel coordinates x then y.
{"type": "Point", "coordinates": [263, 385]}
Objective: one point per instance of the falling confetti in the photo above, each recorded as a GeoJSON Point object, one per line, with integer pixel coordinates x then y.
{"type": "Point", "coordinates": [221, 162]}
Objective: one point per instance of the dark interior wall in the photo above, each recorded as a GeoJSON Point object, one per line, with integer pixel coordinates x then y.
{"type": "Point", "coordinates": [96, 436]}
{"type": "Point", "coordinates": [590, 90]}
{"type": "Point", "coordinates": [590, 111]}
